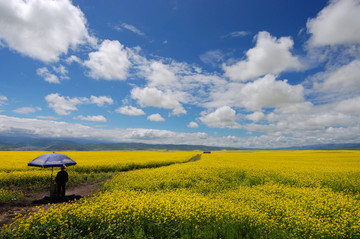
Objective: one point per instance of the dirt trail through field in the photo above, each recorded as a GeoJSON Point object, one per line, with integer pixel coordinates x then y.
{"type": "Point", "coordinates": [9, 211]}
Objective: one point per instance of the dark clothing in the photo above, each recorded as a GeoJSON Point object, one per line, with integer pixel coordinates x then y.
{"type": "Point", "coordinates": [60, 190]}
{"type": "Point", "coordinates": [61, 179]}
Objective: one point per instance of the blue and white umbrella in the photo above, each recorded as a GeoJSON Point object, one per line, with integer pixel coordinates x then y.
{"type": "Point", "coordinates": [51, 160]}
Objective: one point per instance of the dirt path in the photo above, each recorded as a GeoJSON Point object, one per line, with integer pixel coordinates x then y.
{"type": "Point", "coordinates": [195, 158]}
{"type": "Point", "coordinates": [8, 211]}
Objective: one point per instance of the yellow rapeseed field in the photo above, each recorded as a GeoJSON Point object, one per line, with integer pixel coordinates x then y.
{"type": "Point", "coordinates": [18, 160]}
{"type": "Point", "coordinates": [246, 194]}
{"type": "Point", "coordinates": [90, 165]}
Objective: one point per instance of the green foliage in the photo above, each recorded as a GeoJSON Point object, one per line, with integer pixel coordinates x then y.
{"type": "Point", "coordinates": [7, 195]}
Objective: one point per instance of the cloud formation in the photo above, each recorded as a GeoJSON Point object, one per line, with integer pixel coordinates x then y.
{"type": "Point", "coordinates": [27, 110]}
{"type": "Point", "coordinates": [344, 79]}
{"type": "Point", "coordinates": [130, 110]}
{"type": "Point", "coordinates": [193, 125]}
{"type": "Point", "coordinates": [237, 34]}
{"type": "Point", "coordinates": [47, 76]}
{"type": "Point", "coordinates": [95, 118]}
{"type": "Point", "coordinates": [156, 98]}
{"type": "Point", "coordinates": [160, 75]}
{"type": "Point", "coordinates": [156, 117]}
{"type": "Point", "coordinates": [220, 118]}
{"type": "Point", "coordinates": [270, 55]}
{"type": "Point", "coordinates": [349, 106]}
{"type": "Point", "coordinates": [338, 23]}
{"type": "Point", "coordinates": [130, 28]}
{"type": "Point", "coordinates": [256, 116]}
{"type": "Point", "coordinates": [64, 105]}
{"type": "Point", "coordinates": [213, 58]}
{"type": "Point", "coordinates": [57, 129]}
{"type": "Point", "coordinates": [101, 100]}
{"type": "Point", "coordinates": [268, 92]}
{"type": "Point", "coordinates": [109, 62]}
{"type": "Point", "coordinates": [42, 29]}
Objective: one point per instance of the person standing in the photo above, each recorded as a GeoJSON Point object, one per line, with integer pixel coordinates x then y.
{"type": "Point", "coordinates": [61, 179]}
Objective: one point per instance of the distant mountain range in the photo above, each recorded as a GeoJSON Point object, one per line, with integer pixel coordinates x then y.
{"type": "Point", "coordinates": [352, 146]}
{"type": "Point", "coordinates": [45, 144]}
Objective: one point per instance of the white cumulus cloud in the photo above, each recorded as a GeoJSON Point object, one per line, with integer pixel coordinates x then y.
{"type": "Point", "coordinates": [60, 129]}
{"type": "Point", "coordinates": [101, 100]}
{"type": "Point", "coordinates": [220, 118]}
{"type": "Point", "coordinates": [62, 71]}
{"type": "Point", "coordinates": [225, 94]}
{"type": "Point", "coordinates": [296, 108]}
{"type": "Point", "coordinates": [153, 97]}
{"type": "Point", "coordinates": [109, 62]}
{"type": "Point", "coordinates": [345, 79]}
{"type": "Point", "coordinates": [349, 106]}
{"type": "Point", "coordinates": [130, 110]}
{"type": "Point", "coordinates": [270, 55]}
{"type": "Point", "coordinates": [268, 92]}
{"type": "Point", "coordinates": [47, 76]}
{"type": "Point", "coordinates": [337, 23]}
{"type": "Point", "coordinates": [193, 125]}
{"type": "Point", "coordinates": [95, 118]}
{"type": "Point", "coordinates": [161, 75]}
{"type": "Point", "coordinates": [64, 105]}
{"type": "Point", "coordinates": [72, 59]}
{"type": "Point", "coordinates": [155, 117]}
{"type": "Point", "coordinates": [303, 136]}
{"type": "Point", "coordinates": [256, 116]}
{"type": "Point", "coordinates": [42, 29]}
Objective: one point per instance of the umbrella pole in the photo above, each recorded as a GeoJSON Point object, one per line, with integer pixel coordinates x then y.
{"type": "Point", "coordinates": [52, 186]}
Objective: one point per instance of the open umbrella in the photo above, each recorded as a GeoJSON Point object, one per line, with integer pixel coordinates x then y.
{"type": "Point", "coordinates": [51, 160]}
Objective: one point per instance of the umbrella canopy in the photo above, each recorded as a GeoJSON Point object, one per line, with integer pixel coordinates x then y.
{"type": "Point", "coordinates": [52, 160]}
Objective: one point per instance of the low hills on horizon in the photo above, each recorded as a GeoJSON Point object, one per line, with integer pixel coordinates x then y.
{"type": "Point", "coordinates": [46, 144]}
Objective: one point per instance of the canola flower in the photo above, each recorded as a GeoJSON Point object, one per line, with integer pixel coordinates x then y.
{"type": "Point", "coordinates": [90, 165]}
{"type": "Point", "coordinates": [248, 194]}
{"type": "Point", "coordinates": [9, 195]}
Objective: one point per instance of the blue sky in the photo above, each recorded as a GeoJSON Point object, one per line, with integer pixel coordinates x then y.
{"type": "Point", "coordinates": [224, 73]}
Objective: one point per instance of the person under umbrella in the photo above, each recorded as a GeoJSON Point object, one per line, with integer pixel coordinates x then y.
{"type": "Point", "coordinates": [61, 179]}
